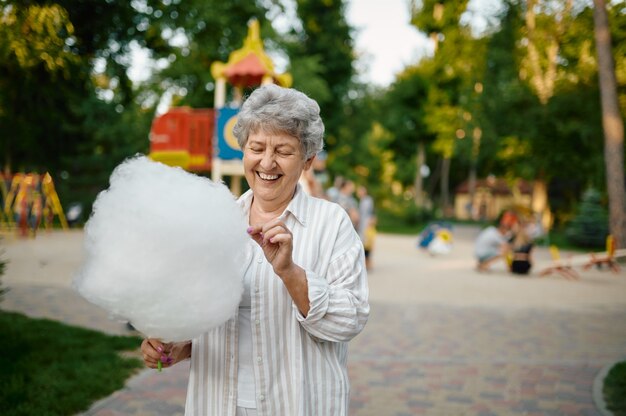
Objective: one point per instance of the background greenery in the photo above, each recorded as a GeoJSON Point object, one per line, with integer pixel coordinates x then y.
{"type": "Point", "coordinates": [615, 389]}
{"type": "Point", "coordinates": [474, 107]}
{"type": "Point", "coordinates": [53, 369]}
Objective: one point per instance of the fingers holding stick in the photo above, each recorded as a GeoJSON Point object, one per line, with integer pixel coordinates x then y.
{"type": "Point", "coordinates": [156, 354]}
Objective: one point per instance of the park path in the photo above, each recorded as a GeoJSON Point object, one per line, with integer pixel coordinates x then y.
{"type": "Point", "coordinates": [442, 339]}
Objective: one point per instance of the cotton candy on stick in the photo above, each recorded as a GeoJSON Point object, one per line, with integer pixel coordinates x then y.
{"type": "Point", "coordinates": [165, 250]}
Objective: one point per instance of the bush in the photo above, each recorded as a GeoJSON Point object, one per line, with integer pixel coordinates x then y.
{"type": "Point", "coordinates": [403, 217]}
{"type": "Point", "coordinates": [590, 225]}
{"type": "Point", "coordinates": [615, 389]}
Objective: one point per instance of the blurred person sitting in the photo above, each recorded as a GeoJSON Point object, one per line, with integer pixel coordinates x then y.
{"type": "Point", "coordinates": [492, 244]}
{"type": "Point", "coordinates": [436, 238]}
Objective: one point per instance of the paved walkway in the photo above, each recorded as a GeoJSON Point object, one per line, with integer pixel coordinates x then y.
{"type": "Point", "coordinates": [442, 339]}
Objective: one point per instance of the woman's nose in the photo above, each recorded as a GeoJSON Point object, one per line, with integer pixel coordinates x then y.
{"type": "Point", "coordinates": [268, 161]}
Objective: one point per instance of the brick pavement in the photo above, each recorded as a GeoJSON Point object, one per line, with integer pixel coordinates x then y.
{"type": "Point", "coordinates": [473, 354]}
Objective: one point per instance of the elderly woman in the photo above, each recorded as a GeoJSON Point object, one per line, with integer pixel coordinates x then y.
{"type": "Point", "coordinates": [305, 287]}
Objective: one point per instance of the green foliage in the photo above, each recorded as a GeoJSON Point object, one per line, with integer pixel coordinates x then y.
{"type": "Point", "coordinates": [54, 369]}
{"type": "Point", "coordinates": [67, 104]}
{"type": "Point", "coordinates": [557, 141]}
{"type": "Point", "coordinates": [193, 34]}
{"type": "Point", "coordinates": [307, 72]}
{"type": "Point", "coordinates": [404, 114]}
{"type": "Point", "coordinates": [402, 216]}
{"type": "Point", "coordinates": [114, 137]}
{"type": "Point", "coordinates": [436, 16]}
{"type": "Point", "coordinates": [615, 389]}
{"type": "Point", "coordinates": [49, 30]}
{"type": "Point", "coordinates": [325, 38]}
{"type": "Point", "coordinates": [48, 69]}
{"type": "Point", "coordinates": [590, 226]}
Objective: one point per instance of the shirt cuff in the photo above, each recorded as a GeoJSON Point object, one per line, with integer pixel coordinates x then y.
{"type": "Point", "coordinates": [318, 289]}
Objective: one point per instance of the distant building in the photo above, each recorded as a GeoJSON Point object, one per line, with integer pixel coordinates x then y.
{"type": "Point", "coordinates": [491, 197]}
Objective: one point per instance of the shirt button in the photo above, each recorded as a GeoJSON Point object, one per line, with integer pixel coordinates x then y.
{"type": "Point", "coordinates": [260, 260]}
{"type": "Point", "coordinates": [258, 322]}
{"type": "Point", "coordinates": [259, 359]}
{"type": "Point", "coordinates": [256, 290]}
{"type": "Point", "coordinates": [261, 397]}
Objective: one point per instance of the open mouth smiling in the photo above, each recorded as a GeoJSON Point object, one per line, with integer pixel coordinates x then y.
{"type": "Point", "coordinates": [268, 177]}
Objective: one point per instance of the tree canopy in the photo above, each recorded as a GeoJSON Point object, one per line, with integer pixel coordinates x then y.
{"type": "Point", "coordinates": [519, 99]}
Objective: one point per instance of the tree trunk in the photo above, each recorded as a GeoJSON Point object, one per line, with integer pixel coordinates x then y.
{"type": "Point", "coordinates": [471, 185]}
{"type": "Point", "coordinates": [419, 180]}
{"type": "Point", "coordinates": [445, 185]}
{"type": "Point", "coordinates": [612, 124]}
{"type": "Point", "coordinates": [434, 178]}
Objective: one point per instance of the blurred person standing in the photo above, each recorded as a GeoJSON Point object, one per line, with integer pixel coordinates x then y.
{"type": "Point", "coordinates": [348, 202]}
{"type": "Point", "coordinates": [367, 222]}
{"type": "Point", "coordinates": [333, 192]}
{"type": "Point", "coordinates": [310, 184]}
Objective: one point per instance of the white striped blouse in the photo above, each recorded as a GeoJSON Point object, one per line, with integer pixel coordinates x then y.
{"type": "Point", "coordinates": [302, 362]}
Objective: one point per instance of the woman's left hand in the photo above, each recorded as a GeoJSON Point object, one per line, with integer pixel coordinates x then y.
{"type": "Point", "coordinates": [277, 243]}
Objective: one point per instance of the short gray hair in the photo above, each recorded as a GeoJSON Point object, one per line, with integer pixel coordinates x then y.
{"type": "Point", "coordinates": [276, 109]}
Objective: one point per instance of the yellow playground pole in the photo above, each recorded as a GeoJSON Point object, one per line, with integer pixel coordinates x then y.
{"type": "Point", "coordinates": [52, 199]}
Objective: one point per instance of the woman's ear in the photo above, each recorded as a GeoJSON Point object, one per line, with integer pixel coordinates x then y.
{"type": "Point", "coordinates": [309, 162]}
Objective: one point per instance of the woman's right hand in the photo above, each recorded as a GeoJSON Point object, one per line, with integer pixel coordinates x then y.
{"type": "Point", "coordinates": [154, 350]}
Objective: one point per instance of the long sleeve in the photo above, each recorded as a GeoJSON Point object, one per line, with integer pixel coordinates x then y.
{"type": "Point", "coordinates": [338, 300]}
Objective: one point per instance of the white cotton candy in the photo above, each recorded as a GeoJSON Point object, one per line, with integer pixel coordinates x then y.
{"type": "Point", "coordinates": [165, 250]}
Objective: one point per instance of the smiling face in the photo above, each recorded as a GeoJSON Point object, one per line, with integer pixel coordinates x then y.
{"type": "Point", "coordinates": [272, 165]}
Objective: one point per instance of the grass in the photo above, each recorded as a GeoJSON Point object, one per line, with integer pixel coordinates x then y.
{"type": "Point", "coordinates": [48, 368]}
{"type": "Point", "coordinates": [615, 389]}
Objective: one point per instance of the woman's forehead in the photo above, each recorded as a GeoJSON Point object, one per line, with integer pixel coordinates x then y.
{"type": "Point", "coordinates": [273, 136]}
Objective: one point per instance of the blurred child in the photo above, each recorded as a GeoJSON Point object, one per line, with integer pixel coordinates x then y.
{"type": "Point", "coordinates": [369, 235]}
{"type": "Point", "coordinates": [521, 247]}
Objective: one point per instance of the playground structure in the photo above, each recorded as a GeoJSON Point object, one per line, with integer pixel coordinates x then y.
{"type": "Point", "coordinates": [201, 140]}
{"type": "Point", "coordinates": [29, 200]}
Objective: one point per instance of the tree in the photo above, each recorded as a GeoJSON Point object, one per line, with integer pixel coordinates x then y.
{"type": "Point", "coordinates": [323, 43]}
{"type": "Point", "coordinates": [192, 34]}
{"type": "Point", "coordinates": [589, 227]}
{"type": "Point", "coordinates": [404, 114]}
{"type": "Point", "coordinates": [553, 143]}
{"type": "Point", "coordinates": [613, 126]}
{"type": "Point", "coordinates": [543, 42]}
{"type": "Point", "coordinates": [49, 54]}
{"type": "Point", "coordinates": [451, 110]}
{"type": "Point", "coordinates": [67, 104]}
{"type": "Point", "coordinates": [35, 65]}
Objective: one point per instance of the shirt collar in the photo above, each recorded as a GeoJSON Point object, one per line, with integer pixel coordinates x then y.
{"type": "Point", "coordinates": [297, 206]}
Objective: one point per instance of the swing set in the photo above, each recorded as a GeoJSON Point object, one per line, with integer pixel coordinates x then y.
{"type": "Point", "coordinates": [29, 201]}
